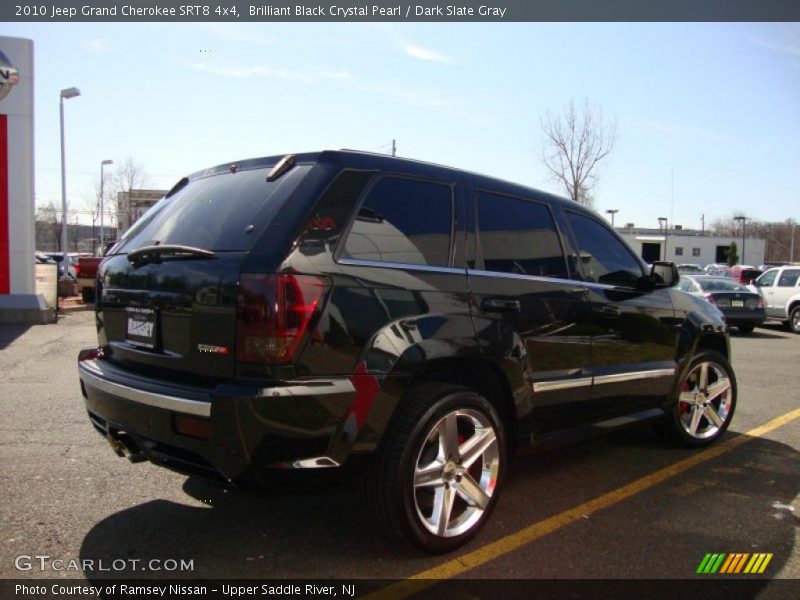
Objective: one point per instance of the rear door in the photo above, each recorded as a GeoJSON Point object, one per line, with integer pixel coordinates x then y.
{"type": "Point", "coordinates": [635, 332]}
{"type": "Point", "coordinates": [529, 315]}
{"type": "Point", "coordinates": [785, 288]}
{"type": "Point", "coordinates": [172, 309]}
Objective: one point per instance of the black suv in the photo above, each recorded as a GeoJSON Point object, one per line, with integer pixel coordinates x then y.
{"type": "Point", "coordinates": [343, 312]}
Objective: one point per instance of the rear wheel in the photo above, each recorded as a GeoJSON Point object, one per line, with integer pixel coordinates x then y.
{"type": "Point", "coordinates": [794, 320]}
{"type": "Point", "coordinates": [706, 401]}
{"type": "Point", "coordinates": [437, 475]}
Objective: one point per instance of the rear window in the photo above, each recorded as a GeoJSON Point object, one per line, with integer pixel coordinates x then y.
{"type": "Point", "coordinates": [750, 274]}
{"type": "Point", "coordinates": [214, 213]}
{"type": "Point", "coordinates": [722, 285]}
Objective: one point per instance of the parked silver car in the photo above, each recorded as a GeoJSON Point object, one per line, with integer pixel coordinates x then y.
{"type": "Point", "coordinates": [780, 288]}
{"type": "Point", "coordinates": [741, 307]}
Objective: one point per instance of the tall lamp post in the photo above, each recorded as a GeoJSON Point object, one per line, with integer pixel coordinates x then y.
{"type": "Point", "coordinates": [742, 219]}
{"type": "Point", "coordinates": [662, 224]}
{"type": "Point", "coordinates": [65, 95]}
{"type": "Point", "coordinates": [102, 202]}
{"type": "Point", "coordinates": [612, 212]}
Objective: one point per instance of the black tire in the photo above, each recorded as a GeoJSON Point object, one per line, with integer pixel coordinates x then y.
{"type": "Point", "coordinates": [794, 320]}
{"type": "Point", "coordinates": [680, 426]}
{"type": "Point", "coordinates": [87, 295]}
{"type": "Point", "coordinates": [391, 496]}
{"type": "Point", "coordinates": [746, 328]}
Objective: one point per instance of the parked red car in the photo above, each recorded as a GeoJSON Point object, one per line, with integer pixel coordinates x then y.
{"type": "Point", "coordinates": [744, 274]}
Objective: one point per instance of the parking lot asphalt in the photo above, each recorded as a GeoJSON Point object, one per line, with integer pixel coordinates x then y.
{"type": "Point", "coordinates": [624, 506]}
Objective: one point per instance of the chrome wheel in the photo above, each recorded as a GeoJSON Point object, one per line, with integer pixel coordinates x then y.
{"type": "Point", "coordinates": [456, 472]}
{"type": "Point", "coordinates": [705, 401]}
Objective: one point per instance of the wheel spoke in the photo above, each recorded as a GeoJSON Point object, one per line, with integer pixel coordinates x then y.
{"type": "Point", "coordinates": [703, 376]}
{"type": "Point", "coordinates": [470, 491]}
{"type": "Point", "coordinates": [429, 475]}
{"type": "Point", "coordinates": [697, 414]}
{"type": "Point", "coordinates": [474, 447]}
{"type": "Point", "coordinates": [688, 397]}
{"type": "Point", "coordinates": [448, 437]}
{"type": "Point", "coordinates": [713, 416]}
{"type": "Point", "coordinates": [718, 388]}
{"type": "Point", "coordinates": [442, 506]}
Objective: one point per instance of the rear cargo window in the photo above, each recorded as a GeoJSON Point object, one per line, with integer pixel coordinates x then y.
{"type": "Point", "coordinates": [215, 212]}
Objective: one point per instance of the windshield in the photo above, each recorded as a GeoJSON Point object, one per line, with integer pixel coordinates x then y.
{"type": "Point", "coordinates": [721, 285]}
{"type": "Point", "coordinates": [224, 212]}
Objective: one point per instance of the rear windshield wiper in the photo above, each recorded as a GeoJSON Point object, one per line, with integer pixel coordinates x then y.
{"type": "Point", "coordinates": [154, 254]}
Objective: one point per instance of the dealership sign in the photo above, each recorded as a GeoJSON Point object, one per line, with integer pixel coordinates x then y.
{"type": "Point", "coordinates": [9, 76]}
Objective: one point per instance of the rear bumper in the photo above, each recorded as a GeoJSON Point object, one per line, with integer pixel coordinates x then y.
{"type": "Point", "coordinates": [744, 316]}
{"type": "Point", "coordinates": [257, 433]}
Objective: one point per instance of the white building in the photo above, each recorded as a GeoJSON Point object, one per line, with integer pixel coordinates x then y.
{"type": "Point", "coordinates": [131, 205]}
{"type": "Point", "coordinates": [690, 246]}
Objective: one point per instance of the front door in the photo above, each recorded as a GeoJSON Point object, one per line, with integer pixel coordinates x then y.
{"type": "Point", "coordinates": [634, 343]}
{"type": "Point", "coordinates": [529, 316]}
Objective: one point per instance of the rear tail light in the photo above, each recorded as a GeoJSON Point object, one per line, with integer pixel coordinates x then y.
{"type": "Point", "coordinates": [761, 303]}
{"type": "Point", "coordinates": [274, 314]}
{"type": "Point", "coordinates": [77, 270]}
{"type": "Point", "coordinates": [711, 299]}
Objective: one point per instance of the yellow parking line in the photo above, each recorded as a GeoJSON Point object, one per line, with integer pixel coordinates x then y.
{"type": "Point", "coordinates": [504, 545]}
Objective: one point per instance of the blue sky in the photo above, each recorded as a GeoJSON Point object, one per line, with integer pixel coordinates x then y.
{"type": "Point", "coordinates": [718, 105]}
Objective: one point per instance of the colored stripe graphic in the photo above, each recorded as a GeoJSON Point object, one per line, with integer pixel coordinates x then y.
{"type": "Point", "coordinates": [734, 563]}
{"type": "Point", "coordinates": [5, 257]}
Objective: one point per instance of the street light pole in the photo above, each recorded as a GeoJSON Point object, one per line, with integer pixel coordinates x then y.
{"type": "Point", "coordinates": [65, 95]}
{"type": "Point", "coordinates": [612, 212]}
{"type": "Point", "coordinates": [662, 224]}
{"type": "Point", "coordinates": [742, 219]}
{"type": "Point", "coordinates": [102, 202]}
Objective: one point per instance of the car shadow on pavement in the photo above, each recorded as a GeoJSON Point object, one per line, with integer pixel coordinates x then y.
{"type": "Point", "coordinates": [231, 533]}
{"type": "Point", "coordinates": [761, 334]}
{"type": "Point", "coordinates": [9, 333]}
{"type": "Point", "coordinates": [740, 501]}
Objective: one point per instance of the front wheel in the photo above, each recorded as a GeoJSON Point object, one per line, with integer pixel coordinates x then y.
{"type": "Point", "coordinates": [705, 403]}
{"type": "Point", "coordinates": [437, 475]}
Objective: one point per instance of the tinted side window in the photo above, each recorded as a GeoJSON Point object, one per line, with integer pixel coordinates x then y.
{"type": "Point", "coordinates": [788, 278]}
{"type": "Point", "coordinates": [605, 259]}
{"type": "Point", "coordinates": [403, 221]}
{"type": "Point", "coordinates": [517, 236]}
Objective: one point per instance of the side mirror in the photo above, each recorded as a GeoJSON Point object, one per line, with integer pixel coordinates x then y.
{"type": "Point", "coordinates": [664, 274]}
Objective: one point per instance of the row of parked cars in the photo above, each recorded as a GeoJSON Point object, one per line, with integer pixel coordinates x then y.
{"type": "Point", "coordinates": [746, 295]}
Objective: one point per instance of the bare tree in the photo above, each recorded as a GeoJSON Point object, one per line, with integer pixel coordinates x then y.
{"type": "Point", "coordinates": [128, 175]}
{"type": "Point", "coordinates": [48, 227]}
{"type": "Point", "coordinates": [574, 145]}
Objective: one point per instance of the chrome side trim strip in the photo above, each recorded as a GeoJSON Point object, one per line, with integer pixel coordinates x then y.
{"type": "Point", "coordinates": [576, 282]}
{"type": "Point", "coordinates": [565, 384]}
{"type": "Point", "coordinates": [561, 384]}
{"type": "Point", "coordinates": [311, 387]}
{"type": "Point", "coordinates": [634, 375]}
{"type": "Point", "coordinates": [172, 403]}
{"type": "Point", "coordinates": [394, 265]}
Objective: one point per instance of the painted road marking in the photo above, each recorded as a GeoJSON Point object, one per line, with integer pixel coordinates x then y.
{"type": "Point", "coordinates": [504, 545]}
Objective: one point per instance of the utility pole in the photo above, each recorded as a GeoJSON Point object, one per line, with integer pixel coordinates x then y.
{"type": "Point", "coordinates": [703, 223]}
{"type": "Point", "coordinates": [742, 219]}
{"type": "Point", "coordinates": [394, 147]}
